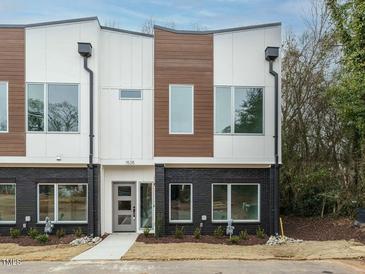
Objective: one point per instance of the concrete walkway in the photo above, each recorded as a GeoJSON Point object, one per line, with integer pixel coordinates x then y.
{"type": "Point", "coordinates": [112, 247]}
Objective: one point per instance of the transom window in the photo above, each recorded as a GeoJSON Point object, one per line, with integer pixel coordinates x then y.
{"type": "Point", "coordinates": [4, 107]}
{"type": "Point", "coordinates": [181, 203]}
{"type": "Point", "coordinates": [237, 202]}
{"type": "Point", "coordinates": [53, 107]}
{"type": "Point", "coordinates": [181, 109]}
{"type": "Point", "coordinates": [239, 110]}
{"type": "Point", "coordinates": [130, 94]}
{"type": "Point", "coordinates": [62, 202]}
{"type": "Point", "coordinates": [7, 203]}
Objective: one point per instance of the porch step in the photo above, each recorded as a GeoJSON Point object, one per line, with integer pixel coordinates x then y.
{"type": "Point", "coordinates": [112, 247]}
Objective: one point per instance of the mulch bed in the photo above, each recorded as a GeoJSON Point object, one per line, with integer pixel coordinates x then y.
{"type": "Point", "coordinates": [28, 241]}
{"type": "Point", "coordinates": [252, 240]}
{"type": "Point", "coordinates": [326, 229]}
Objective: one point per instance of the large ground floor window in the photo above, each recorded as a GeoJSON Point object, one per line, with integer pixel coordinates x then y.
{"type": "Point", "coordinates": [237, 202]}
{"type": "Point", "coordinates": [7, 203]}
{"type": "Point", "coordinates": [181, 203]}
{"type": "Point", "coordinates": [63, 203]}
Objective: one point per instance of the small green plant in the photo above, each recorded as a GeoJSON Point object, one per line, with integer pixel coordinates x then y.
{"type": "Point", "coordinates": [78, 232]}
{"type": "Point", "coordinates": [197, 233]}
{"type": "Point", "coordinates": [243, 235]}
{"type": "Point", "coordinates": [234, 239]}
{"type": "Point", "coordinates": [42, 238]}
{"type": "Point", "coordinates": [218, 232]}
{"type": "Point", "coordinates": [179, 232]}
{"type": "Point", "coordinates": [260, 233]}
{"type": "Point", "coordinates": [146, 231]}
{"type": "Point", "coordinates": [33, 233]}
{"type": "Point", "coordinates": [14, 232]}
{"type": "Point", "coordinates": [60, 233]}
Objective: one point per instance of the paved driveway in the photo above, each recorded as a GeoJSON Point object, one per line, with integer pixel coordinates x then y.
{"type": "Point", "coordinates": [185, 267]}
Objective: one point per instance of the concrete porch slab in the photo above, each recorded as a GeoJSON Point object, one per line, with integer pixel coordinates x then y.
{"type": "Point", "coordinates": [112, 247]}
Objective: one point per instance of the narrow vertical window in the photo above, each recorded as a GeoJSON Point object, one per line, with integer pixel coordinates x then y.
{"type": "Point", "coordinates": [63, 108]}
{"type": "Point", "coordinates": [220, 202]}
{"type": "Point", "coordinates": [7, 203]}
{"type": "Point", "coordinates": [146, 205]}
{"type": "Point", "coordinates": [181, 109]}
{"type": "Point", "coordinates": [223, 110]}
{"type": "Point", "coordinates": [181, 203]}
{"type": "Point", "coordinates": [46, 196]}
{"type": "Point", "coordinates": [4, 107]}
{"type": "Point", "coordinates": [35, 107]}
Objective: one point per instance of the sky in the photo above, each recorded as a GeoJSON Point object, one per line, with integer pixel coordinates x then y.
{"type": "Point", "coordinates": [184, 14]}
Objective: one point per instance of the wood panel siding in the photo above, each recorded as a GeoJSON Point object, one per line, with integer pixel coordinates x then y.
{"type": "Point", "coordinates": [184, 59]}
{"type": "Point", "coordinates": [12, 70]}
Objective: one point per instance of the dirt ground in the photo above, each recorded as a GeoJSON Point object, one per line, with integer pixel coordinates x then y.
{"type": "Point", "coordinates": [28, 241]}
{"type": "Point", "coordinates": [308, 250]}
{"type": "Point", "coordinates": [62, 252]}
{"type": "Point", "coordinates": [326, 229]}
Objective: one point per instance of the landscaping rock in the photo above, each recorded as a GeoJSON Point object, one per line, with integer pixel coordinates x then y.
{"type": "Point", "coordinates": [279, 240]}
{"type": "Point", "coordinates": [85, 240]}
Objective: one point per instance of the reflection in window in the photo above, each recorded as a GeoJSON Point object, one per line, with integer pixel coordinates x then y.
{"type": "Point", "coordinates": [219, 202]}
{"type": "Point", "coordinates": [181, 109]}
{"type": "Point", "coordinates": [180, 202]}
{"type": "Point", "coordinates": [63, 110]}
{"type": "Point", "coordinates": [72, 203]}
{"type": "Point", "coordinates": [7, 203]}
{"type": "Point", "coordinates": [244, 202]}
{"type": "Point", "coordinates": [36, 107]}
{"type": "Point", "coordinates": [146, 205]}
{"type": "Point", "coordinates": [46, 202]}
{"type": "Point", "coordinates": [3, 106]}
{"type": "Point", "coordinates": [248, 110]}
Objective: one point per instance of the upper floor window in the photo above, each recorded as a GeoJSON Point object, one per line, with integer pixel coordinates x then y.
{"type": "Point", "coordinates": [4, 107]}
{"type": "Point", "coordinates": [181, 109]}
{"type": "Point", "coordinates": [239, 110]}
{"type": "Point", "coordinates": [130, 94]}
{"type": "Point", "coordinates": [61, 107]}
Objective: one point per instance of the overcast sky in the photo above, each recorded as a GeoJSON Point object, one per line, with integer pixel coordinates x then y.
{"type": "Point", "coordinates": [186, 14]}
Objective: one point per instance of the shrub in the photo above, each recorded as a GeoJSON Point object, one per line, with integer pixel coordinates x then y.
{"type": "Point", "coordinates": [197, 233]}
{"type": "Point", "coordinates": [78, 232]}
{"type": "Point", "coordinates": [146, 231]}
{"type": "Point", "coordinates": [179, 232]}
{"type": "Point", "coordinates": [260, 233]}
{"type": "Point", "coordinates": [42, 238]}
{"type": "Point", "coordinates": [234, 240]}
{"type": "Point", "coordinates": [33, 233]}
{"type": "Point", "coordinates": [243, 235]}
{"type": "Point", "coordinates": [14, 232]}
{"type": "Point", "coordinates": [60, 233]}
{"type": "Point", "coordinates": [218, 232]}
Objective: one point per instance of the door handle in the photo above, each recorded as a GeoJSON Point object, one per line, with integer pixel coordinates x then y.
{"type": "Point", "coordinates": [134, 212]}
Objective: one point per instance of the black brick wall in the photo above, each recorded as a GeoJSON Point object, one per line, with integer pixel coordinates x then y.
{"type": "Point", "coordinates": [202, 179]}
{"type": "Point", "coordinates": [26, 180]}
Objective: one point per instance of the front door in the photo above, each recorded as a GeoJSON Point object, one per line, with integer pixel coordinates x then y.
{"type": "Point", "coordinates": [124, 207]}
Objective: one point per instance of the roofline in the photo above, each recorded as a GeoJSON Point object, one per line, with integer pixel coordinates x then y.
{"type": "Point", "coordinates": [76, 20]}
{"type": "Point", "coordinates": [275, 24]}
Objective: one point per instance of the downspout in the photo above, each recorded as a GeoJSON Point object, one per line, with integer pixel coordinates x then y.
{"type": "Point", "coordinates": [85, 51]}
{"type": "Point", "coordinates": [271, 53]}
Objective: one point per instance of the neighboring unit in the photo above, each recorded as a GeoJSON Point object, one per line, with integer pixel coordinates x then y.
{"type": "Point", "coordinates": [112, 130]}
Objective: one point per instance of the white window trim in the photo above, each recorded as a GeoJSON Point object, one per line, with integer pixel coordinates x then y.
{"type": "Point", "coordinates": [191, 204]}
{"type": "Point", "coordinates": [192, 109]}
{"type": "Point", "coordinates": [229, 206]}
{"type": "Point", "coordinates": [55, 206]}
{"type": "Point", "coordinates": [233, 111]}
{"type": "Point", "coordinates": [7, 107]}
{"type": "Point", "coordinates": [130, 89]}
{"type": "Point", "coordinates": [45, 108]}
{"type": "Point", "coordinates": [10, 222]}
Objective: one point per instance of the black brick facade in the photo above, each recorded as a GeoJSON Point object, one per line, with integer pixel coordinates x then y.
{"type": "Point", "coordinates": [26, 180]}
{"type": "Point", "coordinates": [202, 179]}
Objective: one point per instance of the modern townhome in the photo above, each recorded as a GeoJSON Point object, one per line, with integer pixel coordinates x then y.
{"type": "Point", "coordinates": [112, 130]}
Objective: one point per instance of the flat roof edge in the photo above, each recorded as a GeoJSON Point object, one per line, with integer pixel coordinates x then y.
{"type": "Point", "coordinates": [126, 31]}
